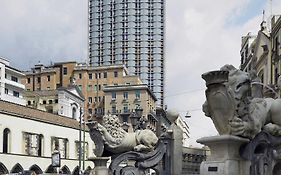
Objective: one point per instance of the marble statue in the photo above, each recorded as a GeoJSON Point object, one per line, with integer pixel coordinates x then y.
{"type": "Point", "coordinates": [117, 140]}
{"type": "Point", "coordinates": [233, 108]}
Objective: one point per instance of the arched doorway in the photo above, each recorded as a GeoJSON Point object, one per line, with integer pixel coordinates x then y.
{"type": "Point", "coordinates": [75, 171]}
{"type": "Point", "coordinates": [3, 169]}
{"type": "Point", "coordinates": [17, 168]}
{"type": "Point", "coordinates": [65, 170]}
{"type": "Point", "coordinates": [51, 169]}
{"type": "Point", "coordinates": [35, 168]}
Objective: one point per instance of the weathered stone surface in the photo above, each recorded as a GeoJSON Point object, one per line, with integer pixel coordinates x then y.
{"type": "Point", "coordinates": [100, 165]}
{"type": "Point", "coordinates": [117, 140]}
{"type": "Point", "coordinates": [225, 158]}
{"type": "Point", "coordinates": [232, 107]}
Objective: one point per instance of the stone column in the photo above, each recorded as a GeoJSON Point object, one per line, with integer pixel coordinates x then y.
{"type": "Point", "coordinates": [173, 157]}
{"type": "Point", "coordinates": [225, 158]}
{"type": "Point", "coordinates": [100, 165]}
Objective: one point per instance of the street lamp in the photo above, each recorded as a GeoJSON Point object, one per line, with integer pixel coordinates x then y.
{"type": "Point", "coordinates": [139, 111]}
{"type": "Point", "coordinates": [187, 115]}
{"type": "Point", "coordinates": [135, 117]}
{"type": "Point", "coordinates": [56, 161]}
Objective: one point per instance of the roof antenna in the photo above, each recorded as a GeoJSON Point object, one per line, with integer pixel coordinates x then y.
{"type": "Point", "coordinates": [263, 15]}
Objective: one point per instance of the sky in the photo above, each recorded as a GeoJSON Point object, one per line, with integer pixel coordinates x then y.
{"type": "Point", "coordinates": [201, 35]}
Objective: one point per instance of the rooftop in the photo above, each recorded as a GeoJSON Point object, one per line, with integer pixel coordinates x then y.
{"type": "Point", "coordinates": [37, 115]}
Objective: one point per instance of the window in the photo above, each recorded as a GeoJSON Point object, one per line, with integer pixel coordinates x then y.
{"type": "Point", "coordinates": [29, 103]}
{"type": "Point", "coordinates": [113, 95]}
{"type": "Point", "coordinates": [99, 87]}
{"type": "Point", "coordinates": [90, 100]}
{"type": "Point", "coordinates": [125, 95]}
{"type": "Point", "coordinates": [90, 110]}
{"type": "Point", "coordinates": [115, 74]}
{"type": "Point", "coordinates": [61, 145]}
{"type": "Point", "coordinates": [89, 87]}
{"type": "Point", "coordinates": [16, 94]}
{"type": "Point", "coordinates": [50, 101]}
{"type": "Point", "coordinates": [74, 113]}
{"type": "Point", "coordinates": [28, 80]}
{"type": "Point", "coordinates": [48, 78]}
{"type": "Point", "coordinates": [38, 79]}
{"type": "Point", "coordinates": [56, 100]}
{"type": "Point", "coordinates": [44, 102]}
{"type": "Point", "coordinates": [80, 87]}
{"type": "Point", "coordinates": [80, 76]}
{"type": "Point", "coordinates": [137, 94]}
{"type": "Point", "coordinates": [113, 110]}
{"type": "Point", "coordinates": [96, 88]}
{"type": "Point", "coordinates": [65, 71]}
{"type": "Point", "coordinates": [6, 140]}
{"type": "Point", "coordinates": [105, 75]}
{"type": "Point", "coordinates": [33, 144]}
{"type": "Point", "coordinates": [90, 76]}
{"type": "Point", "coordinates": [6, 91]}
{"type": "Point", "coordinates": [15, 79]}
{"type": "Point", "coordinates": [125, 108]}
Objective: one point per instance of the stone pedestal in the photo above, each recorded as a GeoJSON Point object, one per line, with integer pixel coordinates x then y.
{"type": "Point", "coordinates": [225, 158]}
{"type": "Point", "coordinates": [100, 165]}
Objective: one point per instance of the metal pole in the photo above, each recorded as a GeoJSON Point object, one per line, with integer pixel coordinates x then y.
{"type": "Point", "coordinates": [80, 135]}
{"type": "Point", "coordinates": [84, 126]}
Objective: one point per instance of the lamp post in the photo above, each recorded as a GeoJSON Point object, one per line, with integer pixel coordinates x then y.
{"type": "Point", "coordinates": [80, 138]}
{"type": "Point", "coordinates": [135, 117]}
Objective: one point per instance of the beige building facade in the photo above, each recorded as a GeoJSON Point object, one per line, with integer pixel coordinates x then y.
{"type": "Point", "coordinates": [264, 56]}
{"type": "Point", "coordinates": [123, 100]}
{"type": "Point", "coordinates": [90, 80]}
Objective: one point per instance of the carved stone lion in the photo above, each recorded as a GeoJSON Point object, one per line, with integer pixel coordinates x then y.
{"type": "Point", "coordinates": [117, 140]}
{"type": "Point", "coordinates": [232, 107]}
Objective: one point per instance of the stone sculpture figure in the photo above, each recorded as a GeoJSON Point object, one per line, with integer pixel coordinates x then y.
{"type": "Point", "coordinates": [117, 140]}
{"type": "Point", "coordinates": [233, 109]}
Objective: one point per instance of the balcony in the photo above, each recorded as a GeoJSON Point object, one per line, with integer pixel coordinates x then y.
{"type": "Point", "coordinates": [15, 84]}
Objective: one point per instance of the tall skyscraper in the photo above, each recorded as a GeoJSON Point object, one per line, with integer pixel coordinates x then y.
{"type": "Point", "coordinates": [130, 32]}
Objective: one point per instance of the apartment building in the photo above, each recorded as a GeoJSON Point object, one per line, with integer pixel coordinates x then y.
{"type": "Point", "coordinates": [123, 100]}
{"type": "Point", "coordinates": [275, 51]}
{"type": "Point", "coordinates": [264, 56]}
{"type": "Point", "coordinates": [132, 33]}
{"type": "Point", "coordinates": [11, 88]}
{"type": "Point", "coordinates": [90, 81]}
